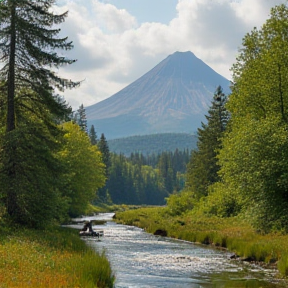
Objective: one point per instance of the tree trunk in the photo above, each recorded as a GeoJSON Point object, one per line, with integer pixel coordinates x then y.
{"type": "Point", "coordinates": [10, 125]}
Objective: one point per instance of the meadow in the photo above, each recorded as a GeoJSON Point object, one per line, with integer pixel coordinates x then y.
{"type": "Point", "coordinates": [54, 257]}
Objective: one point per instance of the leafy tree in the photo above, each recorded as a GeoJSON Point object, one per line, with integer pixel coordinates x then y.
{"type": "Point", "coordinates": [93, 135]}
{"type": "Point", "coordinates": [203, 168]}
{"type": "Point", "coordinates": [254, 156]}
{"type": "Point", "coordinates": [85, 171]}
{"type": "Point", "coordinates": [28, 41]}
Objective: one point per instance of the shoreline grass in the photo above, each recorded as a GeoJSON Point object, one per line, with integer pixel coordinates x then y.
{"type": "Point", "coordinates": [54, 257]}
{"type": "Point", "coordinates": [234, 234]}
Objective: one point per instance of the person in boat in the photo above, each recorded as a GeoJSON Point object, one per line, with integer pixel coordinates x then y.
{"type": "Point", "coordinates": [88, 229]}
{"type": "Point", "coordinates": [87, 226]}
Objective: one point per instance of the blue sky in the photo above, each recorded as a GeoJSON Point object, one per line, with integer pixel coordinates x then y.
{"type": "Point", "coordinates": [148, 10]}
{"type": "Point", "coordinates": [117, 41]}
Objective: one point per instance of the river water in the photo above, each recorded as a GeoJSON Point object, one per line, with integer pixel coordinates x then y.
{"type": "Point", "coordinates": [142, 260]}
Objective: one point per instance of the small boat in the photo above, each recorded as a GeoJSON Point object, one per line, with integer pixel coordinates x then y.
{"type": "Point", "coordinates": [91, 233]}
{"type": "Point", "coordinates": [87, 230]}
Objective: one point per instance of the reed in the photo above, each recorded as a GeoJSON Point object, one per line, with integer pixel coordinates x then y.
{"type": "Point", "coordinates": [50, 258]}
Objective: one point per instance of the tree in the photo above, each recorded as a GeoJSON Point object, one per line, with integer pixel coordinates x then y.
{"type": "Point", "coordinates": [30, 171]}
{"type": "Point", "coordinates": [85, 171]}
{"type": "Point", "coordinates": [166, 172]}
{"type": "Point", "coordinates": [81, 119]}
{"type": "Point", "coordinates": [28, 41]}
{"type": "Point", "coordinates": [93, 135]}
{"type": "Point", "coordinates": [104, 149]}
{"type": "Point", "coordinates": [202, 170]}
{"type": "Point", "coordinates": [255, 151]}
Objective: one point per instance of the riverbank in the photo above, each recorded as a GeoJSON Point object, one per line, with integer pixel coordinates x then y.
{"type": "Point", "coordinates": [234, 234]}
{"type": "Point", "coordinates": [54, 257]}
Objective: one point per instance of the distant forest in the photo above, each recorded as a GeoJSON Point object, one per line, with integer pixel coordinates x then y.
{"type": "Point", "coordinates": [140, 179]}
{"type": "Point", "coordinates": [153, 144]}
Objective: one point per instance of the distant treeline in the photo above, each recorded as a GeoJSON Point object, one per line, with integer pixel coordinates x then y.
{"type": "Point", "coordinates": [153, 144]}
{"type": "Point", "coordinates": [144, 179]}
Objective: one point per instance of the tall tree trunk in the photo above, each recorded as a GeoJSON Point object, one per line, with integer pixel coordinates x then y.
{"type": "Point", "coordinates": [10, 125]}
{"type": "Point", "coordinates": [12, 205]}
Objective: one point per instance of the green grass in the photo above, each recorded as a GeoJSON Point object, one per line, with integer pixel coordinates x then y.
{"type": "Point", "coordinates": [235, 234]}
{"type": "Point", "coordinates": [50, 258]}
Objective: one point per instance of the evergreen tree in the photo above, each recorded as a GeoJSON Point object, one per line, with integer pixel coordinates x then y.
{"type": "Point", "coordinates": [81, 119]}
{"type": "Point", "coordinates": [104, 149]}
{"type": "Point", "coordinates": [166, 172]}
{"type": "Point", "coordinates": [93, 135]}
{"type": "Point", "coordinates": [203, 168]}
{"type": "Point", "coordinates": [28, 41]}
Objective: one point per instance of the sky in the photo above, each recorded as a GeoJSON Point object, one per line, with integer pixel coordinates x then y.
{"type": "Point", "coordinates": [118, 41]}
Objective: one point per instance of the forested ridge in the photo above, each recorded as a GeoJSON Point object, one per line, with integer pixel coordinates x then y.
{"type": "Point", "coordinates": [153, 144]}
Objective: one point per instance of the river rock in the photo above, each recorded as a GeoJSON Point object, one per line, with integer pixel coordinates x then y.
{"type": "Point", "coordinates": [160, 232]}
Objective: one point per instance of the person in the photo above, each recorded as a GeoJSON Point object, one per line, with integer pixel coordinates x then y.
{"type": "Point", "coordinates": [88, 228]}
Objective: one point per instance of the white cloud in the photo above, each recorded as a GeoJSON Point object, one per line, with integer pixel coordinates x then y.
{"type": "Point", "coordinates": [113, 50]}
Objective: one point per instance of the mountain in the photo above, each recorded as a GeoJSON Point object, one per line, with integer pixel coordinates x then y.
{"type": "Point", "coordinates": [153, 144]}
{"type": "Point", "coordinates": [173, 97]}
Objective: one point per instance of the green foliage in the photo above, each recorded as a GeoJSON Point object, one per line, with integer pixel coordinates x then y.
{"type": "Point", "coordinates": [81, 119]}
{"type": "Point", "coordinates": [93, 135]}
{"type": "Point", "coordinates": [84, 168]}
{"type": "Point", "coordinates": [30, 173]}
{"type": "Point", "coordinates": [104, 149]}
{"type": "Point", "coordinates": [28, 41]}
{"type": "Point", "coordinates": [180, 203]}
{"type": "Point", "coordinates": [203, 167]}
{"type": "Point", "coordinates": [133, 183]}
{"type": "Point", "coordinates": [254, 156]}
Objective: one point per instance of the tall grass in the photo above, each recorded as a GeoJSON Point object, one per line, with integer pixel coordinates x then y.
{"type": "Point", "coordinates": [233, 233]}
{"type": "Point", "coordinates": [50, 258]}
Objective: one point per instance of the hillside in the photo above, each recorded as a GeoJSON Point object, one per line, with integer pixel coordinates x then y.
{"type": "Point", "coordinates": [154, 143]}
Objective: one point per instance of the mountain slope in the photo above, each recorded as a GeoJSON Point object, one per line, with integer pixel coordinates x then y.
{"type": "Point", "coordinates": [172, 97]}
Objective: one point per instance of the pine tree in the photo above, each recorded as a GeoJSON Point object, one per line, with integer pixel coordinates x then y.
{"type": "Point", "coordinates": [93, 135]}
{"type": "Point", "coordinates": [28, 40]}
{"type": "Point", "coordinates": [104, 149]}
{"type": "Point", "coordinates": [202, 168]}
{"type": "Point", "coordinates": [28, 44]}
{"type": "Point", "coordinates": [81, 119]}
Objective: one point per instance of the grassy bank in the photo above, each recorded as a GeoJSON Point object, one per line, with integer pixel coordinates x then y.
{"type": "Point", "coordinates": [50, 258]}
{"type": "Point", "coordinates": [235, 234]}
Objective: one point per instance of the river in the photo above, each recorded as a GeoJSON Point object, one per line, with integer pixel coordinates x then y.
{"type": "Point", "coordinates": [142, 260]}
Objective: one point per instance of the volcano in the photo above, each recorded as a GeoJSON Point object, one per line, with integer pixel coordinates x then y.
{"type": "Point", "coordinates": [173, 97]}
